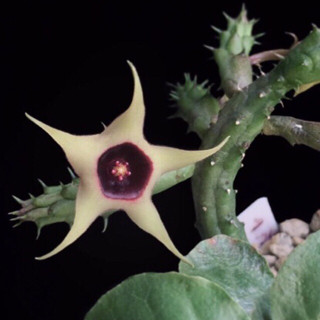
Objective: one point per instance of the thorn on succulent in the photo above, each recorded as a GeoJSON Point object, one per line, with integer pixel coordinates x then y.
{"type": "Point", "coordinates": [242, 165]}
{"type": "Point", "coordinates": [174, 96]}
{"type": "Point", "coordinates": [209, 47]}
{"type": "Point", "coordinates": [227, 16]}
{"type": "Point", "coordinates": [295, 39]}
{"type": "Point", "coordinates": [105, 224]}
{"type": "Point", "coordinates": [14, 213]}
{"type": "Point", "coordinates": [38, 232]}
{"type": "Point", "coordinates": [73, 176]}
{"type": "Point", "coordinates": [216, 29]}
{"type": "Point", "coordinates": [235, 191]}
{"type": "Point", "coordinates": [260, 70]}
{"type": "Point", "coordinates": [268, 117]}
{"type": "Point", "coordinates": [281, 103]}
{"type": "Point", "coordinates": [15, 219]}
{"type": "Point", "coordinates": [21, 202]}
{"type": "Point", "coordinates": [233, 222]}
{"type": "Point", "coordinates": [17, 224]}
{"type": "Point", "coordinates": [278, 55]}
{"type": "Point", "coordinates": [212, 163]}
{"type": "Point", "coordinates": [103, 125]}
{"type": "Point", "coordinates": [43, 185]}
{"type": "Point", "coordinates": [259, 35]}
{"type": "Point", "coordinates": [31, 196]}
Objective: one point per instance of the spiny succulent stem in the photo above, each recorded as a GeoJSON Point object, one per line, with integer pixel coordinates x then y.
{"type": "Point", "coordinates": [295, 131]}
{"type": "Point", "coordinates": [213, 185]}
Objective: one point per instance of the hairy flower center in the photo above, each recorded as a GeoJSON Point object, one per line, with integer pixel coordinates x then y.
{"type": "Point", "coordinates": [124, 171]}
{"type": "Point", "coordinates": [121, 170]}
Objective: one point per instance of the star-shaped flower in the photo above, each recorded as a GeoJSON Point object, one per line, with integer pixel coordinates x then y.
{"type": "Point", "coordinates": [118, 169]}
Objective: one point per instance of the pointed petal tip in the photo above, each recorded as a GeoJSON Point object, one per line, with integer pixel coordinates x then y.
{"type": "Point", "coordinates": [52, 253]}
{"type": "Point", "coordinates": [39, 258]}
{"type": "Point", "coordinates": [133, 70]}
{"type": "Point", "coordinates": [219, 146]}
{"type": "Point", "coordinates": [132, 67]}
{"type": "Point", "coordinates": [130, 63]}
{"type": "Point", "coordinates": [31, 118]}
{"type": "Point", "coordinates": [223, 142]}
{"type": "Point", "coordinates": [185, 260]}
{"type": "Point", "coordinates": [37, 122]}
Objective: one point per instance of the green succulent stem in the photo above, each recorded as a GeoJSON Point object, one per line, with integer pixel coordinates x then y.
{"type": "Point", "coordinates": [232, 56]}
{"type": "Point", "coordinates": [57, 203]}
{"type": "Point", "coordinates": [295, 131]}
{"type": "Point", "coordinates": [195, 105]}
{"type": "Point", "coordinates": [235, 71]}
{"type": "Point", "coordinates": [243, 118]}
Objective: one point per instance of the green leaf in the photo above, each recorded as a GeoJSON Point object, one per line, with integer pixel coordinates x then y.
{"type": "Point", "coordinates": [167, 296]}
{"type": "Point", "coordinates": [295, 293]}
{"type": "Point", "coordinates": [236, 267]}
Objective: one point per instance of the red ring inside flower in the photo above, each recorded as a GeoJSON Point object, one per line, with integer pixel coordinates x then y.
{"type": "Point", "coordinates": [124, 171]}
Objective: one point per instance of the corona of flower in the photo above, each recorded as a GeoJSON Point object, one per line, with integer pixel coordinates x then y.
{"type": "Point", "coordinates": [118, 169]}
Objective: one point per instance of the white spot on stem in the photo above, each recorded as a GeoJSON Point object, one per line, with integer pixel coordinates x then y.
{"type": "Point", "coordinates": [262, 94]}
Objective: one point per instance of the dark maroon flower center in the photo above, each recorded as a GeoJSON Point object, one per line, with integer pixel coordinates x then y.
{"type": "Point", "coordinates": [124, 171]}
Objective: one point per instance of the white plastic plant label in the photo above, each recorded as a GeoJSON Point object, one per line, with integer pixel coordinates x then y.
{"type": "Point", "coordinates": [259, 222]}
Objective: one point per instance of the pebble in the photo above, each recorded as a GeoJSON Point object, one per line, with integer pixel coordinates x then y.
{"type": "Point", "coordinates": [281, 244]}
{"type": "Point", "coordinates": [292, 233]}
{"type": "Point", "coordinates": [297, 240]}
{"type": "Point", "coordinates": [270, 259]}
{"type": "Point", "coordinates": [264, 249]}
{"type": "Point", "coordinates": [315, 221]}
{"type": "Point", "coordinates": [280, 250]}
{"type": "Point", "coordinates": [278, 264]}
{"type": "Point", "coordinates": [274, 271]}
{"type": "Point", "coordinates": [295, 228]}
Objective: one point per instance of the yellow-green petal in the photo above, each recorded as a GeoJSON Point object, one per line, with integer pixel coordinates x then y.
{"type": "Point", "coordinates": [169, 159]}
{"type": "Point", "coordinates": [130, 123]}
{"type": "Point", "coordinates": [80, 150]}
{"type": "Point", "coordinates": [146, 217]}
{"type": "Point", "coordinates": [89, 205]}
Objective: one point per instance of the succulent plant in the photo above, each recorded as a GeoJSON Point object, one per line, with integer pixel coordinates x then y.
{"type": "Point", "coordinates": [223, 276]}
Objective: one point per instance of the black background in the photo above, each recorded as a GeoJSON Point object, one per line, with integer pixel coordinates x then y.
{"type": "Point", "coordinates": [65, 63]}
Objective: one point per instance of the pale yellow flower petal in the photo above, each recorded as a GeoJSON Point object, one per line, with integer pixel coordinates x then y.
{"type": "Point", "coordinates": [170, 159]}
{"type": "Point", "coordinates": [89, 205]}
{"type": "Point", "coordinates": [130, 123]}
{"type": "Point", "coordinates": [146, 216]}
{"type": "Point", "coordinates": [80, 150]}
